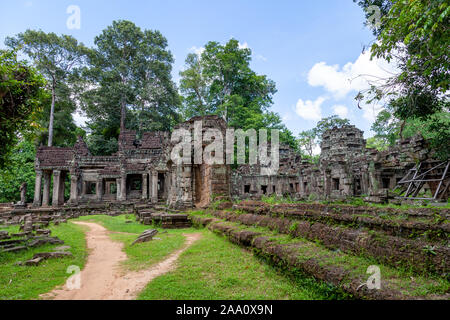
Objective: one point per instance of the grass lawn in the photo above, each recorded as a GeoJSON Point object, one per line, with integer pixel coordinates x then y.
{"type": "Point", "coordinates": [213, 268]}
{"type": "Point", "coordinates": [25, 283]}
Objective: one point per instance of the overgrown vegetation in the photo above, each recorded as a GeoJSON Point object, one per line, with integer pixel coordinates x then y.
{"type": "Point", "coordinates": [214, 269]}
{"type": "Point", "coordinates": [25, 283]}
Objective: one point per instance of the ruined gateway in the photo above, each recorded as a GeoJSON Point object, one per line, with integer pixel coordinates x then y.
{"type": "Point", "coordinates": [142, 172]}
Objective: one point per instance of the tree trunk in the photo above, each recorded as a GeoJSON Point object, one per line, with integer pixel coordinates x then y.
{"type": "Point", "coordinates": [52, 118]}
{"type": "Point", "coordinates": [123, 114]}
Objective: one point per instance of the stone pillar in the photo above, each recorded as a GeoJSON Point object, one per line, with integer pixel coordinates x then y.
{"type": "Point", "coordinates": [56, 200]}
{"type": "Point", "coordinates": [154, 187]}
{"type": "Point", "coordinates": [118, 188]}
{"type": "Point", "coordinates": [123, 188]}
{"type": "Point", "coordinates": [73, 189]}
{"type": "Point", "coordinates": [145, 186]}
{"type": "Point", "coordinates": [46, 191]}
{"type": "Point", "coordinates": [37, 189]}
{"type": "Point", "coordinates": [99, 189]}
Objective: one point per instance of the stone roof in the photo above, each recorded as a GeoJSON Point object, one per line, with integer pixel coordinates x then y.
{"type": "Point", "coordinates": [54, 156]}
{"type": "Point", "coordinates": [153, 140]}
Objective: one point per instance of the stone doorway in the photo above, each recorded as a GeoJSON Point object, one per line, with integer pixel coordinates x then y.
{"type": "Point", "coordinates": [161, 186]}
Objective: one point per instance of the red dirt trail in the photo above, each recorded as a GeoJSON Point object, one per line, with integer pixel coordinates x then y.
{"type": "Point", "coordinates": [103, 278]}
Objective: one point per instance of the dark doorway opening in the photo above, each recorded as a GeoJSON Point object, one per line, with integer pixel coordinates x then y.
{"type": "Point", "coordinates": [264, 189]}
{"type": "Point", "coordinates": [336, 186]}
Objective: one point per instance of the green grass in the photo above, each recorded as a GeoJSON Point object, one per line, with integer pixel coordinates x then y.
{"type": "Point", "coordinates": [117, 224]}
{"type": "Point", "coordinates": [141, 255]}
{"type": "Point", "coordinates": [401, 277]}
{"type": "Point", "coordinates": [26, 283]}
{"type": "Point", "coordinates": [213, 268]}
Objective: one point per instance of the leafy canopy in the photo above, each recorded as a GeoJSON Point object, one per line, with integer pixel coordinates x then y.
{"type": "Point", "coordinates": [129, 79]}
{"type": "Point", "coordinates": [21, 96]}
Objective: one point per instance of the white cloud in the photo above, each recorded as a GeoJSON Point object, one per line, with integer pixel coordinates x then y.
{"type": "Point", "coordinates": [197, 50]}
{"type": "Point", "coordinates": [310, 110]}
{"type": "Point", "coordinates": [353, 76]}
{"type": "Point", "coordinates": [341, 111]}
{"type": "Point", "coordinates": [261, 58]}
{"type": "Point", "coordinates": [371, 111]}
{"type": "Point", "coordinates": [243, 45]}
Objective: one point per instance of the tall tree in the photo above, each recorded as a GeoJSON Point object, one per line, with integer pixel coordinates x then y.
{"type": "Point", "coordinates": [220, 81]}
{"type": "Point", "coordinates": [307, 141]}
{"type": "Point", "coordinates": [21, 93]}
{"type": "Point", "coordinates": [329, 123]}
{"type": "Point", "coordinates": [415, 35]}
{"type": "Point", "coordinates": [56, 57]}
{"type": "Point", "coordinates": [130, 82]}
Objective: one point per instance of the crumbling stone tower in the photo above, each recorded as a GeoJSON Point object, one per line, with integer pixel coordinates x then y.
{"type": "Point", "coordinates": [341, 147]}
{"type": "Point", "coordinates": [198, 184]}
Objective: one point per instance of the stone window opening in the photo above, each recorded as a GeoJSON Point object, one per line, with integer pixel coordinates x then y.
{"type": "Point", "coordinates": [247, 188]}
{"type": "Point", "coordinates": [386, 183]}
{"type": "Point", "coordinates": [274, 189]}
{"type": "Point", "coordinates": [136, 184]}
{"type": "Point", "coordinates": [291, 186]}
{"type": "Point", "coordinates": [336, 186]}
{"type": "Point", "coordinates": [91, 187]}
{"type": "Point", "coordinates": [264, 189]}
{"type": "Point", "coordinates": [113, 188]}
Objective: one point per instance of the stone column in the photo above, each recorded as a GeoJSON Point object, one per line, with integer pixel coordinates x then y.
{"type": "Point", "coordinates": [99, 189]}
{"type": "Point", "coordinates": [123, 188]}
{"type": "Point", "coordinates": [37, 189]}
{"type": "Point", "coordinates": [154, 187]}
{"type": "Point", "coordinates": [73, 189]}
{"type": "Point", "coordinates": [56, 200]}
{"type": "Point", "coordinates": [118, 188]}
{"type": "Point", "coordinates": [145, 186]}
{"type": "Point", "coordinates": [46, 191]}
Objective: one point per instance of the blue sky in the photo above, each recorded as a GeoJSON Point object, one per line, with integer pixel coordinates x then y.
{"type": "Point", "coordinates": [311, 49]}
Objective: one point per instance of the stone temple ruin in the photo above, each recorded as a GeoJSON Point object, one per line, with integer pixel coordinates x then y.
{"type": "Point", "coordinates": [346, 169]}
{"type": "Point", "coordinates": [142, 172]}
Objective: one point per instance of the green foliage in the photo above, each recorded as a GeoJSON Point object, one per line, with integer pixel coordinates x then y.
{"type": "Point", "coordinates": [435, 128]}
{"type": "Point", "coordinates": [57, 58]}
{"type": "Point", "coordinates": [421, 26]}
{"type": "Point", "coordinates": [19, 169]}
{"type": "Point", "coordinates": [101, 145]}
{"type": "Point", "coordinates": [415, 34]}
{"type": "Point", "coordinates": [329, 123]}
{"type": "Point", "coordinates": [220, 81]}
{"type": "Point", "coordinates": [308, 140]}
{"type": "Point", "coordinates": [21, 95]}
{"type": "Point", "coordinates": [377, 143]}
{"type": "Point", "coordinates": [28, 283]}
{"type": "Point", "coordinates": [129, 77]}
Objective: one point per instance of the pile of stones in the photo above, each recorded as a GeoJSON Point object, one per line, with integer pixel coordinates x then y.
{"type": "Point", "coordinates": [32, 235]}
{"type": "Point", "coordinates": [160, 216]}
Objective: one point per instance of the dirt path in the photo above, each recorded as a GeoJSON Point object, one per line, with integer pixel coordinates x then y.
{"type": "Point", "coordinates": [103, 279]}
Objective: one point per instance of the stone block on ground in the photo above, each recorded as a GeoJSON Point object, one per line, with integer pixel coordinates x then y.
{"type": "Point", "coordinates": [146, 236]}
